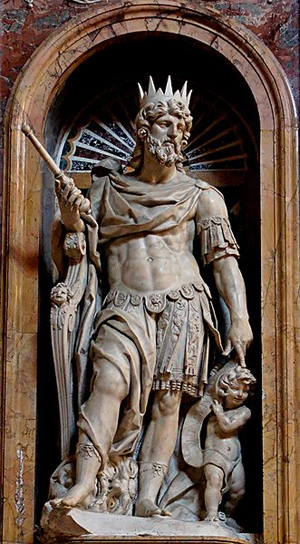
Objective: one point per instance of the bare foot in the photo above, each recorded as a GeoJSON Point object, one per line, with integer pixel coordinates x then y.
{"type": "Point", "coordinates": [78, 494]}
{"type": "Point", "coordinates": [146, 508]}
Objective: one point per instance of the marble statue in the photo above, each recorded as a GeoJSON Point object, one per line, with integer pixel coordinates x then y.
{"type": "Point", "coordinates": [133, 310]}
{"type": "Point", "coordinates": [223, 467]}
{"type": "Point", "coordinates": [222, 407]}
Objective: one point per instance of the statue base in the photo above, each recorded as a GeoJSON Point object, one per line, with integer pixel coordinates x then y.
{"type": "Point", "coordinates": [76, 525]}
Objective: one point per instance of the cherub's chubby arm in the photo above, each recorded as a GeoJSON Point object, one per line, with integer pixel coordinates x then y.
{"type": "Point", "coordinates": [222, 252]}
{"type": "Point", "coordinates": [233, 421]}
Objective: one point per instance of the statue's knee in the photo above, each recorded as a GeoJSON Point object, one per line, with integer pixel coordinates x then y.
{"type": "Point", "coordinates": [236, 494]}
{"type": "Point", "coordinates": [168, 403]}
{"type": "Point", "coordinates": [214, 478]}
{"type": "Point", "coordinates": [108, 380]}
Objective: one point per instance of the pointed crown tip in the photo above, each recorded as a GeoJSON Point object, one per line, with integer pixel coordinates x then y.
{"type": "Point", "coordinates": [153, 95]}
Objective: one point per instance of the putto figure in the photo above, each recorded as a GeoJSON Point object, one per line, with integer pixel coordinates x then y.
{"type": "Point", "coordinates": [156, 320]}
{"type": "Point", "coordinates": [222, 457]}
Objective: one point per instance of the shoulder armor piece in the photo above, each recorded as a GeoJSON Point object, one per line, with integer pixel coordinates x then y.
{"type": "Point", "coordinates": [204, 185]}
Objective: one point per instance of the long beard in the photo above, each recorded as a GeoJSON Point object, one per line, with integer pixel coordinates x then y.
{"type": "Point", "coordinates": [165, 152]}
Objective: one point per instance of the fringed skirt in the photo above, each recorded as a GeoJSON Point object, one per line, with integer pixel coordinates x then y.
{"type": "Point", "coordinates": [184, 318]}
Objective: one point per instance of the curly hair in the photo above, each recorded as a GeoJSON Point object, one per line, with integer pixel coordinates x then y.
{"type": "Point", "coordinates": [234, 374]}
{"type": "Point", "coordinates": [222, 378]}
{"type": "Point", "coordinates": [148, 115]}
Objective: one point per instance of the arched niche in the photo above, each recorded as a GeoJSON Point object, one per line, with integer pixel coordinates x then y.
{"type": "Point", "coordinates": [87, 121]}
{"type": "Point", "coordinates": [42, 82]}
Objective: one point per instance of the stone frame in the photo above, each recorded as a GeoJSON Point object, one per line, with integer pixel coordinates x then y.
{"type": "Point", "coordinates": [33, 93]}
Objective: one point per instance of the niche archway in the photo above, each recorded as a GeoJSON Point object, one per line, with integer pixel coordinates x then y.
{"type": "Point", "coordinates": [34, 94]}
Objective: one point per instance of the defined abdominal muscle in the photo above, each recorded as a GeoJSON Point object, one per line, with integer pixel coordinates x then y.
{"type": "Point", "coordinates": [153, 262]}
{"type": "Point", "coordinates": [148, 272]}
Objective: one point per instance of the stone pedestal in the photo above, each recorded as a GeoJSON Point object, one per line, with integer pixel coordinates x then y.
{"type": "Point", "coordinates": [76, 525]}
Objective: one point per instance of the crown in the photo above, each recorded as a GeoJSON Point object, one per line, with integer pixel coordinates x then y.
{"type": "Point", "coordinates": [154, 95]}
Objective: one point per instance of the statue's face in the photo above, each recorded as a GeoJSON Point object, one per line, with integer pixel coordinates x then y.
{"type": "Point", "coordinates": [236, 395]}
{"type": "Point", "coordinates": [165, 138]}
{"type": "Point", "coordinates": [59, 294]}
{"type": "Point", "coordinates": [168, 128]}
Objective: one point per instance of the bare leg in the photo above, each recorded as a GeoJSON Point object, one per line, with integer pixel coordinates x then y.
{"type": "Point", "coordinates": [102, 411]}
{"type": "Point", "coordinates": [236, 490]}
{"type": "Point", "coordinates": [212, 495]}
{"type": "Point", "coordinates": [88, 463]}
{"type": "Point", "coordinates": [158, 446]}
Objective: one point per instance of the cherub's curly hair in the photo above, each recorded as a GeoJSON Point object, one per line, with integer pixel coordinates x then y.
{"type": "Point", "coordinates": [237, 374]}
{"type": "Point", "coordinates": [148, 115]}
{"type": "Point", "coordinates": [231, 372]}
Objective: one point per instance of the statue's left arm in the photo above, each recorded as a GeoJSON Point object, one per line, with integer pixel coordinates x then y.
{"type": "Point", "coordinates": [231, 287]}
{"type": "Point", "coordinates": [220, 248]}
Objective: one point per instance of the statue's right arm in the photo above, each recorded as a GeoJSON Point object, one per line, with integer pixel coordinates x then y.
{"type": "Point", "coordinates": [70, 222]}
{"type": "Point", "coordinates": [69, 199]}
{"type": "Point", "coordinates": [66, 220]}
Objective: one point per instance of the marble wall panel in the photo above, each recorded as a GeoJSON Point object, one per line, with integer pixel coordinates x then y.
{"type": "Point", "coordinates": [20, 426]}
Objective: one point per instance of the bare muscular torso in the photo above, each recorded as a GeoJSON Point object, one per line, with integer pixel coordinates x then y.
{"type": "Point", "coordinates": [153, 262]}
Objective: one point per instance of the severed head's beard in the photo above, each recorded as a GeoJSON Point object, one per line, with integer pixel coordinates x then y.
{"type": "Point", "coordinates": [166, 153]}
